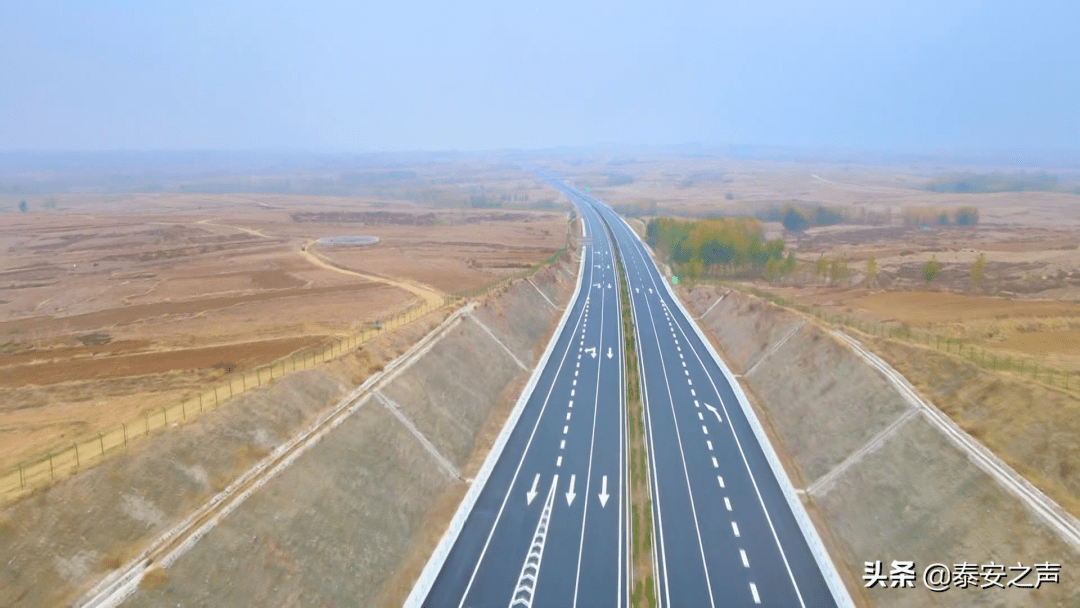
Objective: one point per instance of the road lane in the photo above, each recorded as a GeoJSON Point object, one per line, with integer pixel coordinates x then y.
{"type": "Point", "coordinates": [540, 533]}
{"type": "Point", "coordinates": [725, 534]}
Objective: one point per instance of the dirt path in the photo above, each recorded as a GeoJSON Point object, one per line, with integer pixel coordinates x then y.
{"type": "Point", "coordinates": [429, 294]}
{"type": "Point", "coordinates": [424, 292]}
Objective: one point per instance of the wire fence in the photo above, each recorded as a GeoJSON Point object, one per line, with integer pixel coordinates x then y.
{"type": "Point", "coordinates": [1026, 367]}
{"type": "Point", "coordinates": [64, 460]}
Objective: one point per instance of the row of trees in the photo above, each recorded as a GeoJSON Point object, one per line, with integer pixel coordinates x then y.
{"type": "Point", "coordinates": [929, 216]}
{"type": "Point", "coordinates": [930, 270]}
{"type": "Point", "coordinates": [716, 245]}
{"type": "Point", "coordinates": [836, 270]}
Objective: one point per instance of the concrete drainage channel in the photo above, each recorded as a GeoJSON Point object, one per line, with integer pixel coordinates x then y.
{"type": "Point", "coordinates": [123, 582]}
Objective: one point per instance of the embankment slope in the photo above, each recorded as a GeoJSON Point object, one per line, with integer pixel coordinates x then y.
{"type": "Point", "coordinates": [880, 481]}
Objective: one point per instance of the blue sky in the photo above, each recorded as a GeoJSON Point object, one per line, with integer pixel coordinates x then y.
{"type": "Point", "coordinates": [910, 76]}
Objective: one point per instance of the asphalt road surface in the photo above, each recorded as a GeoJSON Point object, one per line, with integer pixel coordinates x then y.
{"type": "Point", "coordinates": [549, 527]}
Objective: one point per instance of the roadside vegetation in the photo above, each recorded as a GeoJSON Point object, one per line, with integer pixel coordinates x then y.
{"type": "Point", "coordinates": [718, 247]}
{"type": "Point", "coordinates": [643, 590]}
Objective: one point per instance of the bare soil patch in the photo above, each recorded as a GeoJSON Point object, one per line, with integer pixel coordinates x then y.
{"type": "Point", "coordinates": [117, 302]}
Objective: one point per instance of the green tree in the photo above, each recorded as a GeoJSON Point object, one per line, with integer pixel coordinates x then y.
{"type": "Point", "coordinates": [772, 269]}
{"type": "Point", "coordinates": [871, 272]}
{"type": "Point", "coordinates": [793, 219]}
{"type": "Point", "coordinates": [930, 270]}
{"type": "Point", "coordinates": [967, 216]}
{"type": "Point", "coordinates": [821, 268]}
{"type": "Point", "coordinates": [22, 206]}
{"type": "Point", "coordinates": [788, 267]}
{"type": "Point", "coordinates": [838, 270]}
{"type": "Point", "coordinates": [978, 267]}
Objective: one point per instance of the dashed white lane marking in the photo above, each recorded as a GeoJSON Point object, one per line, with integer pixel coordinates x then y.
{"type": "Point", "coordinates": [735, 529]}
{"type": "Point", "coordinates": [575, 382]}
{"type": "Point", "coordinates": [727, 503]}
{"type": "Point", "coordinates": [575, 373]}
{"type": "Point", "coordinates": [696, 404]}
{"type": "Point", "coordinates": [564, 429]}
{"type": "Point", "coordinates": [704, 429]}
{"type": "Point", "coordinates": [683, 363]}
{"type": "Point", "coordinates": [562, 444]}
{"type": "Point", "coordinates": [753, 591]}
{"type": "Point", "coordinates": [716, 465]}
{"type": "Point", "coordinates": [571, 404]}
{"type": "Point", "coordinates": [572, 392]}
{"type": "Point", "coordinates": [700, 416]}
{"type": "Point", "coordinates": [721, 480]}
{"type": "Point", "coordinates": [568, 415]}
{"type": "Point", "coordinates": [690, 382]}
{"type": "Point", "coordinates": [680, 348]}
{"type": "Point", "coordinates": [745, 562]}
{"type": "Point", "coordinates": [558, 462]}
{"type": "Point", "coordinates": [686, 371]}
{"type": "Point", "coordinates": [710, 445]}
{"type": "Point", "coordinates": [693, 393]}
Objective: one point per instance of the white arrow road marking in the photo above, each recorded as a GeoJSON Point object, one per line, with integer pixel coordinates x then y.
{"type": "Point", "coordinates": [592, 351]}
{"type": "Point", "coordinates": [650, 290]}
{"type": "Point", "coordinates": [609, 285]}
{"type": "Point", "coordinates": [609, 355]}
{"type": "Point", "coordinates": [714, 411]}
{"type": "Point", "coordinates": [531, 494]}
{"type": "Point", "coordinates": [637, 290]}
{"type": "Point", "coordinates": [603, 493]}
{"type": "Point", "coordinates": [570, 496]}
{"type": "Point", "coordinates": [525, 589]}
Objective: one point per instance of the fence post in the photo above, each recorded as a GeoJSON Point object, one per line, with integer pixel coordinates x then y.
{"type": "Point", "coordinates": [52, 472]}
{"type": "Point", "coordinates": [124, 424]}
{"type": "Point", "coordinates": [200, 403]}
{"type": "Point", "coordinates": [146, 422]}
{"type": "Point", "coordinates": [101, 441]}
{"type": "Point", "coordinates": [165, 412]}
{"type": "Point", "coordinates": [215, 397]}
{"type": "Point", "coordinates": [77, 463]}
{"type": "Point", "coordinates": [22, 480]}
{"type": "Point", "coordinates": [183, 410]}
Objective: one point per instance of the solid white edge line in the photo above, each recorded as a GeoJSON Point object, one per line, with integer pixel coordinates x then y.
{"type": "Point", "coordinates": [813, 539]}
{"type": "Point", "coordinates": [442, 550]}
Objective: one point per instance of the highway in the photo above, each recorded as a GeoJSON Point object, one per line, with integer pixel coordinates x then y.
{"type": "Point", "coordinates": [548, 527]}
{"type": "Point", "coordinates": [725, 535]}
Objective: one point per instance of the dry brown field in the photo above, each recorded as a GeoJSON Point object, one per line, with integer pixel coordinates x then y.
{"type": "Point", "coordinates": [112, 304]}
{"type": "Point", "coordinates": [1028, 305]}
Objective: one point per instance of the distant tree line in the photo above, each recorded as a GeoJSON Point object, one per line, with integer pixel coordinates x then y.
{"type": "Point", "coordinates": [995, 182]}
{"type": "Point", "coordinates": [930, 216]}
{"type": "Point", "coordinates": [718, 246]}
{"type": "Point", "coordinates": [799, 218]}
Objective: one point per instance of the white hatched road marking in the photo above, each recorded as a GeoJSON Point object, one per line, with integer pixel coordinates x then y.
{"type": "Point", "coordinates": [525, 589]}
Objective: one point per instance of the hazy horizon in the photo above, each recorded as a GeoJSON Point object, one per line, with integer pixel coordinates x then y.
{"type": "Point", "coordinates": [908, 78]}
